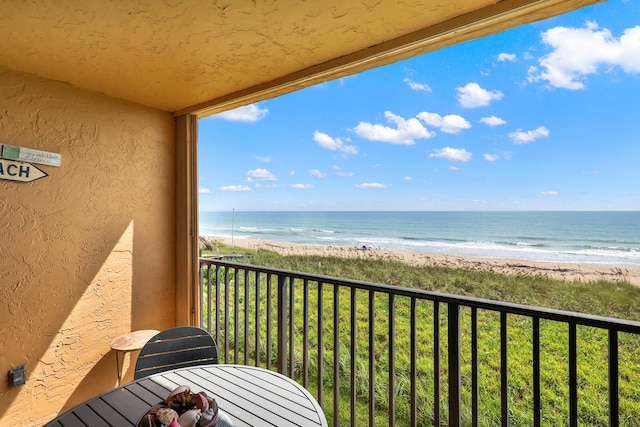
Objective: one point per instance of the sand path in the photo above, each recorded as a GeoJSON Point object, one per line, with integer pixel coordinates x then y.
{"type": "Point", "coordinates": [581, 272]}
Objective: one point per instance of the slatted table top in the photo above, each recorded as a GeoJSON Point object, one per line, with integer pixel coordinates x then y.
{"type": "Point", "coordinates": [250, 396]}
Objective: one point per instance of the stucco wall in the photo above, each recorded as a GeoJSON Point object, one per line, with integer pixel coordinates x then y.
{"type": "Point", "coordinates": [88, 252]}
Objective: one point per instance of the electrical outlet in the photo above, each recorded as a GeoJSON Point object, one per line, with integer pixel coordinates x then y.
{"type": "Point", "coordinates": [17, 376]}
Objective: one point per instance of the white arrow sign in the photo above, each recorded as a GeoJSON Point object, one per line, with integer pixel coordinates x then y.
{"type": "Point", "coordinates": [18, 171]}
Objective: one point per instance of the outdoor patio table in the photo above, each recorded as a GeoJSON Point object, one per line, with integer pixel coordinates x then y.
{"type": "Point", "coordinates": [250, 396]}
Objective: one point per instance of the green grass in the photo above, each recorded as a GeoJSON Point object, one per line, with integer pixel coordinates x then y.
{"type": "Point", "coordinates": [612, 299]}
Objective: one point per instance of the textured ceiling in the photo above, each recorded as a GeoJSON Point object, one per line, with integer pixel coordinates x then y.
{"type": "Point", "coordinates": [187, 55]}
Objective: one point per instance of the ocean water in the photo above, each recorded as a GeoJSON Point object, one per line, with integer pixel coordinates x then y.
{"type": "Point", "coordinates": [602, 238]}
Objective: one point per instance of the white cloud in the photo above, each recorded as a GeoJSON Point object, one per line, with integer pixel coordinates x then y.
{"type": "Point", "coordinates": [235, 188]}
{"type": "Point", "coordinates": [302, 186]}
{"type": "Point", "coordinates": [493, 121]}
{"type": "Point", "coordinates": [473, 96]}
{"type": "Point", "coordinates": [405, 133]}
{"type": "Point", "coordinates": [407, 178]}
{"type": "Point", "coordinates": [260, 175]}
{"type": "Point", "coordinates": [343, 80]}
{"type": "Point", "coordinates": [265, 159]}
{"type": "Point", "coordinates": [421, 87]}
{"type": "Point", "coordinates": [317, 173]}
{"type": "Point", "coordinates": [520, 137]}
{"type": "Point", "coordinates": [204, 190]}
{"type": "Point", "coordinates": [376, 166]}
{"type": "Point", "coordinates": [578, 52]}
{"type": "Point", "coordinates": [291, 173]}
{"type": "Point", "coordinates": [491, 157]}
{"type": "Point", "coordinates": [451, 123]}
{"type": "Point", "coordinates": [452, 154]}
{"type": "Point", "coordinates": [506, 57]}
{"type": "Point", "coordinates": [549, 193]}
{"type": "Point", "coordinates": [258, 185]}
{"type": "Point", "coordinates": [325, 141]}
{"type": "Point", "coordinates": [453, 168]}
{"type": "Point", "coordinates": [339, 172]}
{"type": "Point", "coordinates": [248, 114]}
{"type": "Point", "coordinates": [371, 185]}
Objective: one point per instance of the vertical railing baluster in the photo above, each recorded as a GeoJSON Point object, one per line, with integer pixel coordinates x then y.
{"type": "Point", "coordinates": [226, 313]}
{"type": "Point", "coordinates": [353, 394]}
{"type": "Point", "coordinates": [474, 367]}
{"type": "Point", "coordinates": [336, 355]}
{"type": "Point", "coordinates": [414, 361]}
{"type": "Point", "coordinates": [613, 378]}
{"type": "Point", "coordinates": [392, 360]}
{"type": "Point", "coordinates": [204, 272]}
{"type": "Point", "coordinates": [436, 363]}
{"type": "Point", "coordinates": [257, 319]}
{"type": "Point", "coordinates": [372, 357]}
{"type": "Point", "coordinates": [537, 407]}
{"type": "Point", "coordinates": [246, 316]}
{"type": "Point", "coordinates": [217, 312]}
{"type": "Point", "coordinates": [203, 322]}
{"type": "Point", "coordinates": [573, 376]}
{"type": "Point", "coordinates": [504, 372]}
{"type": "Point", "coordinates": [320, 343]}
{"type": "Point", "coordinates": [292, 325]}
{"type": "Point", "coordinates": [282, 324]}
{"type": "Point", "coordinates": [269, 322]}
{"type": "Point", "coordinates": [210, 288]}
{"type": "Point", "coordinates": [305, 333]}
{"type": "Point", "coordinates": [236, 315]}
{"type": "Point", "coordinates": [453, 338]}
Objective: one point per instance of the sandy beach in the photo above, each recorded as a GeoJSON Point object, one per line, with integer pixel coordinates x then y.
{"type": "Point", "coordinates": [580, 272]}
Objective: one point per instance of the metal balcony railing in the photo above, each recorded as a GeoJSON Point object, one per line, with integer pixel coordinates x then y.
{"type": "Point", "coordinates": [404, 356]}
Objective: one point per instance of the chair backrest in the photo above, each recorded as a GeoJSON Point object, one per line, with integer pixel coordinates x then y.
{"type": "Point", "coordinates": [176, 348]}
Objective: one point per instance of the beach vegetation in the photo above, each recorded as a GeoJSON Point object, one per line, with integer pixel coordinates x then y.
{"type": "Point", "coordinates": [618, 299]}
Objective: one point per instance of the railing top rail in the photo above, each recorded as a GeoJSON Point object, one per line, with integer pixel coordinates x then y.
{"type": "Point", "coordinates": [621, 325]}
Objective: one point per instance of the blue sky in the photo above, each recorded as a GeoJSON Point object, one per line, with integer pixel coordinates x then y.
{"type": "Point", "coordinates": [541, 117]}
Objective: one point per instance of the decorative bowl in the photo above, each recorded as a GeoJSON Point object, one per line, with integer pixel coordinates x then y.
{"type": "Point", "coordinates": [182, 408]}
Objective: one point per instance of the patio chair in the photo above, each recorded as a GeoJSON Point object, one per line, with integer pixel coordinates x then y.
{"type": "Point", "coordinates": [178, 347]}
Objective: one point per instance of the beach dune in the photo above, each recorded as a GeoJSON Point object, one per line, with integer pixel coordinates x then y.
{"type": "Point", "coordinates": [570, 272]}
